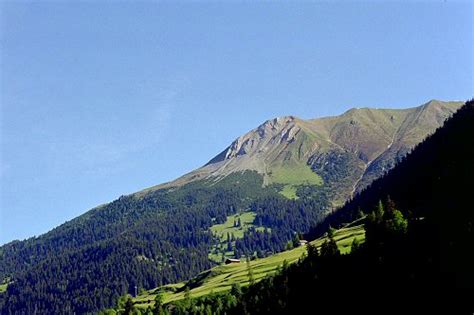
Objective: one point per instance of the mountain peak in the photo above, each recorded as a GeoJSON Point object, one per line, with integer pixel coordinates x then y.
{"type": "Point", "coordinates": [279, 120]}
{"type": "Point", "coordinates": [271, 132]}
{"type": "Point", "coordinates": [368, 139]}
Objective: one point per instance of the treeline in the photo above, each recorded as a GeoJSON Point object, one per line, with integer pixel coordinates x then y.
{"type": "Point", "coordinates": [284, 218]}
{"type": "Point", "coordinates": [433, 182]}
{"type": "Point", "coordinates": [418, 254]}
{"type": "Point", "coordinates": [395, 271]}
{"type": "Point", "coordinates": [84, 265]}
{"type": "Point", "coordinates": [290, 291]}
{"type": "Point", "coordinates": [145, 241]}
{"type": "Point", "coordinates": [398, 270]}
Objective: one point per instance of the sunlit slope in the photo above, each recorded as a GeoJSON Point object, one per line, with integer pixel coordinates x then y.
{"type": "Point", "coordinates": [343, 153]}
{"type": "Point", "coordinates": [222, 277]}
{"type": "Point", "coordinates": [291, 172]}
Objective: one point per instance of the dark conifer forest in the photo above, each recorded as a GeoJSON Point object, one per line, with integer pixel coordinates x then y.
{"type": "Point", "coordinates": [417, 258]}
{"type": "Point", "coordinates": [418, 254]}
{"type": "Point", "coordinates": [164, 237]}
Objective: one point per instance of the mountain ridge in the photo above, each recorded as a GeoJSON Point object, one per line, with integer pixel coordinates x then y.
{"type": "Point", "coordinates": [374, 137]}
{"type": "Point", "coordinates": [289, 173]}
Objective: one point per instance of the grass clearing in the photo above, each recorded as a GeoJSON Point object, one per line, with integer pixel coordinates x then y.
{"type": "Point", "coordinates": [229, 228]}
{"type": "Point", "coordinates": [221, 278]}
{"type": "Point", "coordinates": [292, 176]}
{"type": "Point", "coordinates": [289, 191]}
{"type": "Point", "coordinates": [4, 284]}
{"type": "Point", "coordinates": [246, 221]}
{"type": "Point", "coordinates": [298, 174]}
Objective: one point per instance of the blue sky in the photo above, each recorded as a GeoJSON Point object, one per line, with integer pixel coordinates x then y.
{"type": "Point", "coordinates": [100, 99]}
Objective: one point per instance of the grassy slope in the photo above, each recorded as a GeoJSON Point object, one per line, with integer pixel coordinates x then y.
{"type": "Point", "coordinates": [289, 191]}
{"type": "Point", "coordinates": [221, 231]}
{"type": "Point", "coordinates": [295, 175]}
{"type": "Point", "coordinates": [222, 277]}
{"type": "Point", "coordinates": [246, 220]}
{"type": "Point", "coordinates": [292, 176]}
{"type": "Point", "coordinates": [4, 284]}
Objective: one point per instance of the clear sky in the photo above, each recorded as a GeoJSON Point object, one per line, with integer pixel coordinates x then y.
{"type": "Point", "coordinates": [102, 98]}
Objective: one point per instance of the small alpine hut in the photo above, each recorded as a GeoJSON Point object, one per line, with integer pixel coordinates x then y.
{"type": "Point", "coordinates": [303, 242]}
{"type": "Point", "coordinates": [232, 261]}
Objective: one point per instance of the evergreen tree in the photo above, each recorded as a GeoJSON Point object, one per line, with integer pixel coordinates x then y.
{"type": "Point", "coordinates": [158, 307]}
{"type": "Point", "coordinates": [355, 245]}
{"type": "Point", "coordinates": [312, 251]}
{"type": "Point", "coordinates": [296, 241]}
{"type": "Point", "coordinates": [129, 308]}
{"type": "Point", "coordinates": [249, 271]}
{"type": "Point", "coordinates": [360, 213]}
{"type": "Point", "coordinates": [236, 290]}
{"type": "Point", "coordinates": [187, 297]}
{"type": "Point", "coordinates": [331, 232]}
{"type": "Point", "coordinates": [395, 222]}
{"type": "Point", "coordinates": [329, 247]}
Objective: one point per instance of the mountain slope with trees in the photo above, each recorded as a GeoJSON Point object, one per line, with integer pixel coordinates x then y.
{"type": "Point", "coordinates": [418, 252]}
{"type": "Point", "coordinates": [163, 234]}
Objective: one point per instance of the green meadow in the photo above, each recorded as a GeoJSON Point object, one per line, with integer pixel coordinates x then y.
{"type": "Point", "coordinates": [228, 227]}
{"type": "Point", "coordinates": [221, 278]}
{"type": "Point", "coordinates": [219, 252]}
{"type": "Point", "coordinates": [292, 176]}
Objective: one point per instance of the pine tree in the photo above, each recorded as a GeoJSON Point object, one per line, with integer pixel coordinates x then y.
{"type": "Point", "coordinates": [129, 307]}
{"type": "Point", "coordinates": [312, 251]}
{"type": "Point", "coordinates": [360, 213]}
{"type": "Point", "coordinates": [158, 307]}
{"type": "Point", "coordinates": [236, 290]}
{"type": "Point", "coordinates": [329, 246]}
{"type": "Point", "coordinates": [331, 232]}
{"type": "Point", "coordinates": [395, 222]}
{"type": "Point", "coordinates": [249, 271]}
{"type": "Point", "coordinates": [187, 297]}
{"type": "Point", "coordinates": [355, 245]}
{"type": "Point", "coordinates": [296, 241]}
{"type": "Point", "coordinates": [379, 212]}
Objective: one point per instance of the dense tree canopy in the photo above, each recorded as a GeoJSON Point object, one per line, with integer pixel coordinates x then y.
{"type": "Point", "coordinates": [417, 257]}
{"type": "Point", "coordinates": [145, 241]}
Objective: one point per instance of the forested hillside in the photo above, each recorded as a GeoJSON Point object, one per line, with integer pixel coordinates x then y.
{"type": "Point", "coordinates": [418, 253]}
{"type": "Point", "coordinates": [144, 242]}
{"type": "Point", "coordinates": [290, 173]}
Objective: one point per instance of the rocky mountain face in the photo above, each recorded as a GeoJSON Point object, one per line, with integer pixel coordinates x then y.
{"type": "Point", "coordinates": [345, 153]}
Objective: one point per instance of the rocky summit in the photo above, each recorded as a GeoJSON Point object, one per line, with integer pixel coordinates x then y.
{"type": "Point", "coordinates": [345, 152]}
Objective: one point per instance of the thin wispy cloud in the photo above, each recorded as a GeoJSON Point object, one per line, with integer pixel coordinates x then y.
{"type": "Point", "coordinates": [100, 152]}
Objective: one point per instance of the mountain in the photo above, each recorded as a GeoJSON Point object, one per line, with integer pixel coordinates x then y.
{"type": "Point", "coordinates": [417, 256]}
{"type": "Point", "coordinates": [345, 152]}
{"type": "Point", "coordinates": [279, 179]}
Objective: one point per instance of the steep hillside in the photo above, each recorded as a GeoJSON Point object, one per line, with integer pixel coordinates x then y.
{"type": "Point", "coordinates": [290, 173]}
{"type": "Point", "coordinates": [417, 256]}
{"type": "Point", "coordinates": [346, 153]}
{"type": "Point", "coordinates": [223, 277]}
